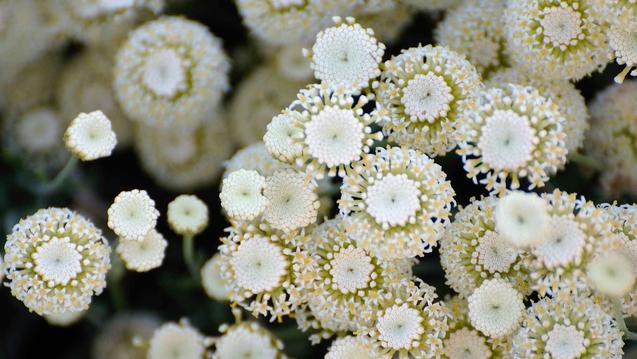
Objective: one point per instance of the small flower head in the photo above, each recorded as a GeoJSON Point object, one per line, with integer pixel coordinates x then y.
{"type": "Point", "coordinates": [513, 133]}
{"type": "Point", "coordinates": [64, 319]}
{"type": "Point", "coordinates": [144, 255]}
{"type": "Point", "coordinates": [395, 202]}
{"type": "Point", "coordinates": [346, 55]}
{"type": "Point", "coordinates": [170, 70]}
{"type": "Point", "coordinates": [292, 200]}
{"type": "Point", "coordinates": [555, 38]}
{"type": "Point", "coordinates": [242, 195]}
{"type": "Point", "coordinates": [132, 215]}
{"type": "Point", "coordinates": [177, 341]}
{"type": "Point", "coordinates": [247, 340]}
{"type": "Point", "coordinates": [55, 261]}
{"type": "Point", "coordinates": [426, 91]}
{"type": "Point", "coordinates": [187, 215]}
{"type": "Point", "coordinates": [567, 327]}
{"type": "Point", "coordinates": [612, 274]}
{"type": "Point", "coordinates": [624, 44]}
{"type": "Point", "coordinates": [522, 218]}
{"type": "Point", "coordinates": [351, 347]}
{"type": "Point", "coordinates": [212, 281]}
{"type": "Point", "coordinates": [466, 343]}
{"type": "Point", "coordinates": [259, 265]}
{"type": "Point", "coordinates": [90, 136]}
{"type": "Point", "coordinates": [496, 308]}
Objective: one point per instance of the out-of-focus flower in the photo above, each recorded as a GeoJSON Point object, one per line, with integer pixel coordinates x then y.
{"type": "Point", "coordinates": [212, 280]}
{"type": "Point", "coordinates": [247, 340]}
{"type": "Point", "coordinates": [522, 219]}
{"type": "Point", "coordinates": [118, 336]}
{"type": "Point", "coordinates": [64, 319]}
{"type": "Point", "coordinates": [177, 341]}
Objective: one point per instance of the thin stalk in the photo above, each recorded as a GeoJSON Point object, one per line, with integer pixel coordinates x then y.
{"type": "Point", "coordinates": [188, 249]}
{"type": "Point", "coordinates": [619, 318]}
{"type": "Point", "coordinates": [59, 178]}
{"type": "Point", "coordinates": [586, 161]}
{"type": "Point", "coordinates": [115, 275]}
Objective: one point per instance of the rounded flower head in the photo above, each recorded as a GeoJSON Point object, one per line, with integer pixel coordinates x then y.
{"type": "Point", "coordinates": [299, 20]}
{"type": "Point", "coordinates": [495, 308]}
{"type": "Point", "coordinates": [323, 129]}
{"type": "Point", "coordinates": [344, 283]}
{"type": "Point", "coordinates": [567, 327]}
{"type": "Point", "coordinates": [64, 319]}
{"type": "Point", "coordinates": [256, 267]}
{"type": "Point", "coordinates": [117, 336]}
{"type": "Point", "coordinates": [351, 347]}
{"type": "Point", "coordinates": [253, 158]}
{"type": "Point", "coordinates": [346, 55]}
{"type": "Point", "coordinates": [466, 344]}
{"type": "Point", "coordinates": [409, 324]}
{"type": "Point", "coordinates": [577, 231]}
{"type": "Point", "coordinates": [555, 38]}
{"type": "Point", "coordinates": [611, 138]}
{"type": "Point", "coordinates": [170, 70]}
{"type": "Point", "coordinates": [90, 136]}
{"type": "Point", "coordinates": [612, 274]}
{"type": "Point", "coordinates": [472, 250]}
{"type": "Point", "coordinates": [292, 200]}
{"type": "Point", "coordinates": [513, 133]}
{"type": "Point", "coordinates": [132, 215]}
{"type": "Point", "coordinates": [242, 195]}
{"type": "Point", "coordinates": [212, 281]}
{"type": "Point", "coordinates": [187, 215]}
{"type": "Point", "coordinates": [395, 202]}
{"type": "Point", "coordinates": [177, 341]}
{"type": "Point", "coordinates": [55, 261]}
{"type": "Point", "coordinates": [475, 28]}
{"type": "Point", "coordinates": [194, 157]}
{"type": "Point", "coordinates": [522, 219]}
{"type": "Point", "coordinates": [144, 255]}
{"type": "Point", "coordinates": [247, 340]}
{"type": "Point", "coordinates": [426, 90]}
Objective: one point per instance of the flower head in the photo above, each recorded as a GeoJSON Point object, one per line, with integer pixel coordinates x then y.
{"type": "Point", "coordinates": [242, 195]}
{"type": "Point", "coordinates": [247, 340]}
{"type": "Point", "coordinates": [177, 341]}
{"type": "Point", "coordinates": [187, 215]}
{"type": "Point", "coordinates": [117, 336]}
{"type": "Point", "coordinates": [612, 274]}
{"type": "Point", "coordinates": [426, 91]}
{"type": "Point", "coordinates": [90, 136]}
{"type": "Point", "coordinates": [346, 55]}
{"type": "Point", "coordinates": [143, 255]}
{"type": "Point", "coordinates": [292, 200]}
{"type": "Point", "coordinates": [395, 202]}
{"type": "Point", "coordinates": [624, 44]}
{"type": "Point", "coordinates": [64, 319]}
{"type": "Point", "coordinates": [351, 347]}
{"type": "Point", "coordinates": [132, 214]}
{"type": "Point", "coordinates": [495, 308]}
{"type": "Point", "coordinates": [212, 280]}
{"type": "Point", "coordinates": [522, 218]}
{"type": "Point", "coordinates": [55, 261]}
{"type": "Point", "coordinates": [254, 157]}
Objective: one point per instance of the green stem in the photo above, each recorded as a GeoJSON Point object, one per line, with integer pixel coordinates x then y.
{"type": "Point", "coordinates": [586, 161]}
{"type": "Point", "coordinates": [59, 178]}
{"type": "Point", "coordinates": [619, 318]}
{"type": "Point", "coordinates": [188, 248]}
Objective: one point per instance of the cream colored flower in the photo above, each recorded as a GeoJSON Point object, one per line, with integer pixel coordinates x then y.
{"type": "Point", "coordinates": [90, 136]}
{"type": "Point", "coordinates": [187, 215]}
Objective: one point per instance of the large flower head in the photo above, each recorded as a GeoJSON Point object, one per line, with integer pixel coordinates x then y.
{"type": "Point", "coordinates": [55, 261]}
{"type": "Point", "coordinates": [346, 55]}
{"type": "Point", "coordinates": [426, 91]}
{"type": "Point", "coordinates": [475, 28]}
{"type": "Point", "coordinates": [577, 230]}
{"type": "Point", "coordinates": [409, 324]}
{"type": "Point", "coordinates": [555, 38]}
{"type": "Point", "coordinates": [170, 70]}
{"type": "Point", "coordinates": [611, 138]}
{"type": "Point", "coordinates": [513, 133]}
{"type": "Point", "coordinates": [472, 250]}
{"type": "Point", "coordinates": [345, 283]}
{"type": "Point", "coordinates": [323, 129]}
{"type": "Point", "coordinates": [396, 202]}
{"type": "Point", "coordinates": [566, 327]}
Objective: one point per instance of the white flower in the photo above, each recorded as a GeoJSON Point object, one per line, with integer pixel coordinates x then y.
{"type": "Point", "coordinates": [212, 281]}
{"type": "Point", "coordinates": [564, 243]}
{"type": "Point", "coordinates": [64, 319]}
{"type": "Point", "coordinates": [132, 214]}
{"type": "Point", "coordinates": [144, 255]}
{"type": "Point", "coordinates": [399, 327]}
{"type": "Point", "coordinates": [259, 265]}
{"type": "Point", "coordinates": [522, 218]}
{"type": "Point", "coordinates": [292, 201]}
{"type": "Point", "coordinates": [38, 131]}
{"type": "Point", "coordinates": [242, 195]}
{"type": "Point", "coordinates": [350, 347]}
{"type": "Point", "coordinates": [426, 97]}
{"type": "Point", "coordinates": [246, 340]}
{"type": "Point", "coordinates": [118, 336]}
{"type": "Point", "coordinates": [565, 342]}
{"type": "Point", "coordinates": [177, 341]}
{"type": "Point", "coordinates": [466, 344]}
{"type": "Point", "coordinates": [507, 140]}
{"type": "Point", "coordinates": [495, 308]}
{"type": "Point", "coordinates": [393, 200]}
{"type": "Point", "coordinates": [55, 261]}
{"type": "Point", "coordinates": [351, 269]}
{"type": "Point", "coordinates": [346, 55]}
{"type": "Point", "coordinates": [612, 274]}
{"type": "Point", "coordinates": [90, 136]}
{"type": "Point", "coordinates": [280, 137]}
{"type": "Point", "coordinates": [496, 254]}
{"type": "Point", "coordinates": [624, 43]}
{"type": "Point", "coordinates": [187, 215]}
{"type": "Point", "coordinates": [254, 157]}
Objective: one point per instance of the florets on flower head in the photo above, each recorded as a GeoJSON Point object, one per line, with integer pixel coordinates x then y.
{"type": "Point", "coordinates": [322, 130]}
{"type": "Point", "coordinates": [90, 136]}
{"type": "Point", "coordinates": [395, 202]}
{"type": "Point", "coordinates": [292, 202]}
{"type": "Point", "coordinates": [555, 38]}
{"type": "Point", "coordinates": [55, 261]}
{"type": "Point", "coordinates": [242, 195]}
{"type": "Point", "coordinates": [522, 219]}
{"type": "Point", "coordinates": [177, 341]}
{"type": "Point", "coordinates": [513, 133]}
{"type": "Point", "coordinates": [346, 55]}
{"type": "Point", "coordinates": [495, 308]}
{"type": "Point", "coordinates": [247, 340]}
{"type": "Point", "coordinates": [143, 255]}
{"type": "Point", "coordinates": [624, 44]}
{"type": "Point", "coordinates": [187, 215]}
{"type": "Point", "coordinates": [353, 347]}
{"type": "Point", "coordinates": [132, 214]}
{"type": "Point", "coordinates": [426, 91]}
{"type": "Point", "coordinates": [170, 70]}
{"type": "Point", "coordinates": [254, 157]}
